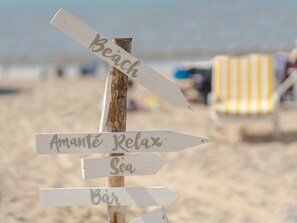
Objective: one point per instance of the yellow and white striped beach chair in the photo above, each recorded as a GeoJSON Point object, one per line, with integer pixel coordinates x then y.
{"type": "Point", "coordinates": [244, 87]}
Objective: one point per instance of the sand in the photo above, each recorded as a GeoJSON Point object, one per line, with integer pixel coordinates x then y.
{"type": "Point", "coordinates": [241, 176]}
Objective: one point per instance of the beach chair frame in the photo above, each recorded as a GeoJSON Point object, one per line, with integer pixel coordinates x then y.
{"type": "Point", "coordinates": [218, 118]}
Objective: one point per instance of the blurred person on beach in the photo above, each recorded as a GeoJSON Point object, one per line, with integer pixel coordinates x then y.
{"type": "Point", "coordinates": [60, 72]}
{"type": "Point", "coordinates": [88, 69]}
{"type": "Point", "coordinates": [280, 60]}
{"type": "Point", "coordinates": [291, 64]}
{"type": "Point", "coordinates": [132, 103]}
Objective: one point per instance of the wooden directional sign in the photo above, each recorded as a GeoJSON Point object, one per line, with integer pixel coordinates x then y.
{"type": "Point", "coordinates": [115, 142]}
{"type": "Point", "coordinates": [156, 216]}
{"type": "Point", "coordinates": [119, 58]}
{"type": "Point", "coordinates": [121, 166]}
{"type": "Point", "coordinates": [115, 196]}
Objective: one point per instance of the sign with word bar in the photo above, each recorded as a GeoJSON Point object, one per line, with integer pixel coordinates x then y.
{"type": "Point", "coordinates": [115, 196]}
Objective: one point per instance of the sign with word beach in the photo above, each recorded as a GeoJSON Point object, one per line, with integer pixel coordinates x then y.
{"type": "Point", "coordinates": [119, 58]}
{"type": "Point", "coordinates": [115, 196]}
{"type": "Point", "coordinates": [115, 142]}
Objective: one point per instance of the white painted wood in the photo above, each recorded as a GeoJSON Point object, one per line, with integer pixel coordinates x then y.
{"type": "Point", "coordinates": [119, 58]}
{"type": "Point", "coordinates": [121, 166]}
{"type": "Point", "coordinates": [115, 142]}
{"type": "Point", "coordinates": [115, 196]}
{"type": "Point", "coordinates": [105, 104]}
{"type": "Point", "coordinates": [156, 216]}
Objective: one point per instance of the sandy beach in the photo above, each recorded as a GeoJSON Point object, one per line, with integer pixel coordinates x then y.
{"type": "Point", "coordinates": [242, 176]}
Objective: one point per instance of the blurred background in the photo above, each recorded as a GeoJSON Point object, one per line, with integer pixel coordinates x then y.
{"type": "Point", "coordinates": [49, 83]}
{"type": "Point", "coordinates": [169, 30]}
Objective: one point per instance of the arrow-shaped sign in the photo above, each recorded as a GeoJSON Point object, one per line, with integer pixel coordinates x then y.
{"type": "Point", "coordinates": [121, 166]}
{"type": "Point", "coordinates": [156, 216]}
{"type": "Point", "coordinates": [115, 142]}
{"type": "Point", "coordinates": [114, 196]}
{"type": "Point", "coordinates": [119, 58]}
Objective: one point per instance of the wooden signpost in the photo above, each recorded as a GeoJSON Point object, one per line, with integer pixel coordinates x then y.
{"type": "Point", "coordinates": [113, 119]}
{"type": "Point", "coordinates": [112, 137]}
{"type": "Point", "coordinates": [121, 166]}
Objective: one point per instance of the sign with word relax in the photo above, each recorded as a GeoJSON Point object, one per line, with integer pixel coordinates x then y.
{"type": "Point", "coordinates": [115, 196]}
{"type": "Point", "coordinates": [121, 166]}
{"type": "Point", "coordinates": [156, 216]}
{"type": "Point", "coordinates": [119, 58]}
{"type": "Point", "coordinates": [115, 142]}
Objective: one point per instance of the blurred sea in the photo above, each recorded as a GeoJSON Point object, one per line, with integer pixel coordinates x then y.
{"type": "Point", "coordinates": [161, 30]}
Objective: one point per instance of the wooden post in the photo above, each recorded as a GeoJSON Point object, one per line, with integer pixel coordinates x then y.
{"type": "Point", "coordinates": [116, 122]}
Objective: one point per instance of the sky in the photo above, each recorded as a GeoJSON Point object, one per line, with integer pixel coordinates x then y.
{"type": "Point", "coordinates": [170, 26]}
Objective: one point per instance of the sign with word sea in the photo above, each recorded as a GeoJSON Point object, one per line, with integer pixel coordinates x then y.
{"type": "Point", "coordinates": [115, 142]}
{"type": "Point", "coordinates": [115, 196]}
{"type": "Point", "coordinates": [119, 58]}
{"type": "Point", "coordinates": [121, 166]}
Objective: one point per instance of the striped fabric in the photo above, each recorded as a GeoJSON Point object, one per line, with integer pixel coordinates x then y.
{"type": "Point", "coordinates": [243, 85]}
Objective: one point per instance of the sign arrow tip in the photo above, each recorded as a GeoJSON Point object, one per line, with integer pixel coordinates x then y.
{"type": "Point", "coordinates": [205, 140]}
{"type": "Point", "coordinates": [58, 12]}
